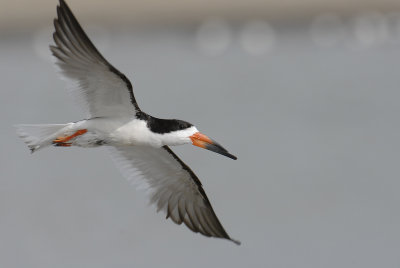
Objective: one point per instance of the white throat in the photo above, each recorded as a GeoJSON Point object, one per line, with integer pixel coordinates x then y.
{"type": "Point", "coordinates": [178, 137]}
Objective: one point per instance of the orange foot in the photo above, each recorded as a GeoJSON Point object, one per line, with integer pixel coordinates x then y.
{"type": "Point", "coordinates": [62, 141]}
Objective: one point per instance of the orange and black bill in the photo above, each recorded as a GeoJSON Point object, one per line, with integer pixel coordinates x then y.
{"type": "Point", "coordinates": [201, 140]}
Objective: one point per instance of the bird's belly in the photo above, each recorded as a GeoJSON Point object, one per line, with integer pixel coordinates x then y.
{"type": "Point", "coordinates": [132, 139]}
{"type": "Point", "coordinates": [99, 131]}
{"type": "Point", "coordinates": [90, 139]}
{"type": "Point", "coordinates": [107, 131]}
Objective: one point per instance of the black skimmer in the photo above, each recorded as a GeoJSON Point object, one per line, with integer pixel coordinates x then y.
{"type": "Point", "coordinates": [138, 142]}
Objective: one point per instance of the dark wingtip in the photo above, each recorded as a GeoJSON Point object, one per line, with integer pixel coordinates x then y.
{"type": "Point", "coordinates": [237, 242]}
{"type": "Point", "coordinates": [62, 2]}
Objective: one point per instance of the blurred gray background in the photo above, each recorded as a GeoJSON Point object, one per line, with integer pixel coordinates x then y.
{"type": "Point", "coordinates": [305, 93]}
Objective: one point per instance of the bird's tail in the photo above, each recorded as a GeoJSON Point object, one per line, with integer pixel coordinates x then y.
{"type": "Point", "coordinates": [39, 136]}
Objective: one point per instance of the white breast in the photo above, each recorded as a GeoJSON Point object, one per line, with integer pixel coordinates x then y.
{"type": "Point", "coordinates": [134, 132]}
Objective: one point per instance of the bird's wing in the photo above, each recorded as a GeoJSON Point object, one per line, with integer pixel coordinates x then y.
{"type": "Point", "coordinates": [172, 185]}
{"type": "Point", "coordinates": [103, 90]}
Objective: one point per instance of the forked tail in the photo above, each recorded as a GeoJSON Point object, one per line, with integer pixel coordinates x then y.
{"type": "Point", "coordinates": [39, 136]}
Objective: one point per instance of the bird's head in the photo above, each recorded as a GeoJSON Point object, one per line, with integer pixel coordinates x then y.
{"type": "Point", "coordinates": [182, 132]}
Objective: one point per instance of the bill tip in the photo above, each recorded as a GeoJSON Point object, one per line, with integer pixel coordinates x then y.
{"type": "Point", "coordinates": [231, 156]}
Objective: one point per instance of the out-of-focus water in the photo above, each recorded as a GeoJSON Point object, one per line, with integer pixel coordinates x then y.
{"type": "Point", "coordinates": [316, 132]}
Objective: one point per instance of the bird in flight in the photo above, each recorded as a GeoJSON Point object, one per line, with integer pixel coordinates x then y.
{"type": "Point", "coordinates": [138, 142]}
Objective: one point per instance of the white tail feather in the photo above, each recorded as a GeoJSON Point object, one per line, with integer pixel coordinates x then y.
{"type": "Point", "coordinates": [38, 136]}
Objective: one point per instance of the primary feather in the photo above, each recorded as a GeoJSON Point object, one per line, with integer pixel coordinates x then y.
{"type": "Point", "coordinates": [104, 90]}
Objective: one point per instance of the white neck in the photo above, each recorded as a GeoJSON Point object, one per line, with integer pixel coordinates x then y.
{"type": "Point", "coordinates": [178, 137]}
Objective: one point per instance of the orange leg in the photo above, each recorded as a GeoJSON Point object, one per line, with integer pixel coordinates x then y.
{"type": "Point", "coordinates": [62, 141]}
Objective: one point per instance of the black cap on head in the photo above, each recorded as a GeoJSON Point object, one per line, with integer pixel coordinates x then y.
{"type": "Point", "coordinates": [162, 126]}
